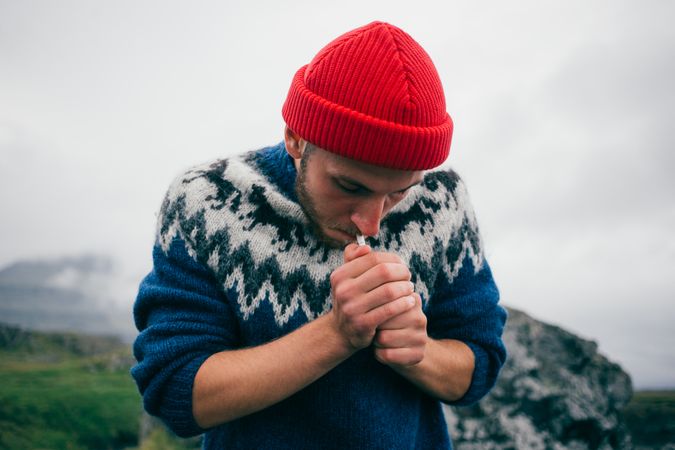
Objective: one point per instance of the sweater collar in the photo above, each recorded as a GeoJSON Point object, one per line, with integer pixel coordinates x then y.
{"type": "Point", "coordinates": [278, 168]}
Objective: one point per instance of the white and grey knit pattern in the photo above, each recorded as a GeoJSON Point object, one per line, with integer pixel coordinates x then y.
{"type": "Point", "coordinates": [259, 243]}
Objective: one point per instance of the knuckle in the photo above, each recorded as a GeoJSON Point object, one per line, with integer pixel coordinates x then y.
{"type": "Point", "coordinates": [348, 309]}
{"type": "Point", "coordinates": [360, 325]}
{"type": "Point", "coordinates": [385, 257]}
{"type": "Point", "coordinates": [335, 277]}
{"type": "Point", "coordinates": [373, 258]}
{"type": "Point", "coordinates": [419, 340]}
{"type": "Point", "coordinates": [406, 305]}
{"type": "Point", "coordinates": [342, 290]}
{"type": "Point", "coordinates": [389, 310]}
{"type": "Point", "coordinates": [391, 257]}
{"type": "Point", "coordinates": [384, 271]}
{"type": "Point", "coordinates": [390, 291]}
{"type": "Point", "coordinates": [396, 271]}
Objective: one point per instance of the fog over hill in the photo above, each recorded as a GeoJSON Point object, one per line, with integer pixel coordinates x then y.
{"type": "Point", "coordinates": [85, 293]}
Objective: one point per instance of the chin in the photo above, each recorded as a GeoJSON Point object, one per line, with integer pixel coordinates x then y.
{"type": "Point", "coordinates": [333, 242]}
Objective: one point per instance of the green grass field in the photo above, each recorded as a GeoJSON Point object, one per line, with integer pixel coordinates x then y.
{"type": "Point", "coordinates": [71, 391]}
{"type": "Point", "coordinates": [72, 404]}
{"type": "Point", "coordinates": [650, 416]}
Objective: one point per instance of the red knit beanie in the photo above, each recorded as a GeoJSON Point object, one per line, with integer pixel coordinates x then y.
{"type": "Point", "coordinates": [373, 95]}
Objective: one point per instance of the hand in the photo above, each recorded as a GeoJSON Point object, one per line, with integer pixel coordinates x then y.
{"type": "Point", "coordinates": [401, 340]}
{"type": "Point", "coordinates": [369, 289]}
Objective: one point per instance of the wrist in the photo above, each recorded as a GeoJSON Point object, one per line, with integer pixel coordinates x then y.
{"type": "Point", "coordinates": [332, 338]}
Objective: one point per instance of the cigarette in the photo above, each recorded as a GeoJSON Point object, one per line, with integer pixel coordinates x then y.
{"type": "Point", "coordinates": [360, 240]}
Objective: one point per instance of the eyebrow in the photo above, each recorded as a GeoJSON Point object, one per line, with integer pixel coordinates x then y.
{"type": "Point", "coordinates": [346, 179]}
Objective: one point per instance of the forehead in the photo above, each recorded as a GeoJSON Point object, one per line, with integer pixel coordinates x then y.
{"type": "Point", "coordinates": [374, 177]}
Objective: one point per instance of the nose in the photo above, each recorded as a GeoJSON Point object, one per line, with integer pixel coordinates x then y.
{"type": "Point", "coordinates": [368, 214]}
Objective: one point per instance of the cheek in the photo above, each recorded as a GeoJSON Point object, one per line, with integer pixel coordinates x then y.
{"type": "Point", "coordinates": [326, 200]}
{"type": "Point", "coordinates": [332, 205]}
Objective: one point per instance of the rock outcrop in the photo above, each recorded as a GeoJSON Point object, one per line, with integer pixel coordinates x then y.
{"type": "Point", "coordinates": [555, 392]}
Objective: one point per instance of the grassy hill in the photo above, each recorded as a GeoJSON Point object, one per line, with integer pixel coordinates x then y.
{"type": "Point", "coordinates": [65, 391]}
{"type": "Point", "coordinates": [68, 391]}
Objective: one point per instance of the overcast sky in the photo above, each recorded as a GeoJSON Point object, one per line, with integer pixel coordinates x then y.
{"type": "Point", "coordinates": [563, 132]}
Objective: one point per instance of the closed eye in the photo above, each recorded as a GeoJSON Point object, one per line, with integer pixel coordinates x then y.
{"type": "Point", "coordinates": [400, 194]}
{"type": "Point", "coordinates": [351, 188]}
{"type": "Point", "coordinates": [358, 189]}
{"type": "Point", "coordinates": [404, 191]}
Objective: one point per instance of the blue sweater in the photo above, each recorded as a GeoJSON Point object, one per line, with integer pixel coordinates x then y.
{"type": "Point", "coordinates": [236, 265]}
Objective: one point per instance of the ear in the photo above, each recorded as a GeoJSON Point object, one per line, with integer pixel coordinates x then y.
{"type": "Point", "coordinates": [295, 145]}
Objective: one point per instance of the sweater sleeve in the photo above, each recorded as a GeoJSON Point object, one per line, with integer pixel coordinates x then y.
{"type": "Point", "coordinates": [467, 310]}
{"type": "Point", "coordinates": [464, 304]}
{"type": "Point", "coordinates": [183, 319]}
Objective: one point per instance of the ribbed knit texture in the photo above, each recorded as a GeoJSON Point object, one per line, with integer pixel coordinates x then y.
{"type": "Point", "coordinates": [235, 265]}
{"type": "Point", "coordinates": [372, 94]}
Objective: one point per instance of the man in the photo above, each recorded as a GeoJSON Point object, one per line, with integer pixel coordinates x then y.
{"type": "Point", "coordinates": [263, 325]}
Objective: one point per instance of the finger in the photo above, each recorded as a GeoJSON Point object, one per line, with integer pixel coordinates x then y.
{"type": "Point", "coordinates": [399, 338]}
{"type": "Point", "coordinates": [399, 322]}
{"type": "Point", "coordinates": [400, 356]}
{"type": "Point", "coordinates": [375, 317]}
{"type": "Point", "coordinates": [408, 319]}
{"type": "Point", "coordinates": [384, 273]}
{"type": "Point", "coordinates": [359, 302]}
{"type": "Point", "coordinates": [358, 266]}
{"type": "Point", "coordinates": [353, 251]}
{"type": "Point", "coordinates": [386, 293]}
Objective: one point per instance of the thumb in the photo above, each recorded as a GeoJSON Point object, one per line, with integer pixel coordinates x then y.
{"type": "Point", "coordinates": [353, 251]}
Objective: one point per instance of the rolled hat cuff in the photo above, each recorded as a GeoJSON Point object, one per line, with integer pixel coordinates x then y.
{"type": "Point", "coordinates": [365, 138]}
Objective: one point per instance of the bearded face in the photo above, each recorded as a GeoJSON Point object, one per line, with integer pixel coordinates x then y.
{"type": "Point", "coordinates": [342, 197]}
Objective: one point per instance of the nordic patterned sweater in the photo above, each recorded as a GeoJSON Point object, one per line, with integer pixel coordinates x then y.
{"type": "Point", "coordinates": [236, 265]}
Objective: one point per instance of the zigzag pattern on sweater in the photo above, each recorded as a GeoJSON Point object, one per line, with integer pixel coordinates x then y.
{"type": "Point", "coordinates": [259, 244]}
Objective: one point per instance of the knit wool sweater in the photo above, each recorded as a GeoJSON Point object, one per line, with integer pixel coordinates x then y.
{"type": "Point", "coordinates": [236, 264]}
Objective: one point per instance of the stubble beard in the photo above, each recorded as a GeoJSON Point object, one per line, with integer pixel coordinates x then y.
{"type": "Point", "coordinates": [308, 207]}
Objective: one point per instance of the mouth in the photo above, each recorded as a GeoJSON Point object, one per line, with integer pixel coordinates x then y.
{"type": "Point", "coordinates": [338, 237]}
{"type": "Point", "coordinates": [341, 235]}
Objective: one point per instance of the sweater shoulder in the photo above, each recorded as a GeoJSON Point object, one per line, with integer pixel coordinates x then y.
{"type": "Point", "coordinates": [445, 183]}
{"type": "Point", "coordinates": [207, 196]}
{"type": "Point", "coordinates": [438, 208]}
{"type": "Point", "coordinates": [202, 180]}
{"type": "Point", "coordinates": [435, 229]}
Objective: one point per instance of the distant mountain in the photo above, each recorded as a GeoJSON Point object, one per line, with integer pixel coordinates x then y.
{"type": "Point", "coordinates": [78, 294]}
{"type": "Point", "coordinates": [28, 273]}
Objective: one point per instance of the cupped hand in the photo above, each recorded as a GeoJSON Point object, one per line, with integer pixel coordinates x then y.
{"type": "Point", "coordinates": [368, 290]}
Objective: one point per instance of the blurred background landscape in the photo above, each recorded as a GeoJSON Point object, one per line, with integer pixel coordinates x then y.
{"type": "Point", "coordinates": [563, 135]}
